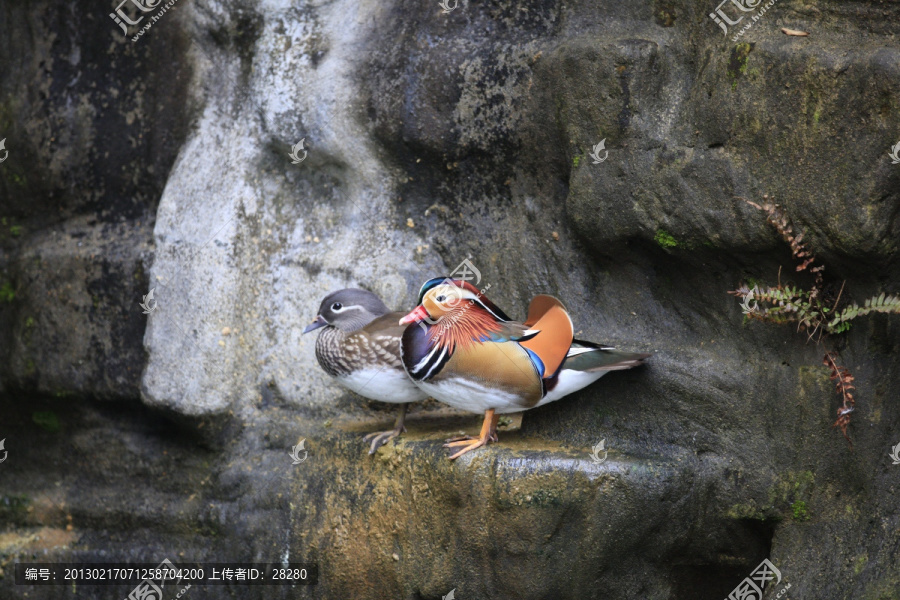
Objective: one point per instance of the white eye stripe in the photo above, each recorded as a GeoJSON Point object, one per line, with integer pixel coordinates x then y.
{"type": "Point", "coordinates": [343, 308]}
{"type": "Point", "coordinates": [453, 295]}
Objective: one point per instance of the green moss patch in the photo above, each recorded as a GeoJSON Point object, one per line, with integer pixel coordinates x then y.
{"type": "Point", "coordinates": [665, 239]}
{"type": "Point", "coordinates": [46, 420]}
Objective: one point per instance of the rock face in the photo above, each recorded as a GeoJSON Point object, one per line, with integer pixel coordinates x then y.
{"type": "Point", "coordinates": [429, 137]}
{"type": "Point", "coordinates": [91, 132]}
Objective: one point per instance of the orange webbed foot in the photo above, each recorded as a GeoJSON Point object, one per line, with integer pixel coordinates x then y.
{"type": "Point", "coordinates": [473, 444]}
{"type": "Point", "coordinates": [468, 443]}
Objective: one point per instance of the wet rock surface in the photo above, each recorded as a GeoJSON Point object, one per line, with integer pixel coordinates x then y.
{"type": "Point", "coordinates": [428, 138]}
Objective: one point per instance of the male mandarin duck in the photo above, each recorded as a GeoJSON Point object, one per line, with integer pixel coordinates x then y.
{"type": "Point", "coordinates": [464, 351]}
{"type": "Point", "coordinates": [360, 347]}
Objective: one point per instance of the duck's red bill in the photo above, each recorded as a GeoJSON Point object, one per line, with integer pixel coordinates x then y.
{"type": "Point", "coordinates": [418, 314]}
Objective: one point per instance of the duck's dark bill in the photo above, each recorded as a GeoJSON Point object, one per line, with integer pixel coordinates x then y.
{"type": "Point", "coordinates": [319, 322]}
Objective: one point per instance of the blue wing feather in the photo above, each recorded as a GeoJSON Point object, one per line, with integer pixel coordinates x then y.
{"type": "Point", "coordinates": [536, 361]}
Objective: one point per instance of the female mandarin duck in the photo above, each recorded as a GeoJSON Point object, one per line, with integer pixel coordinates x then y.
{"type": "Point", "coordinates": [465, 352]}
{"type": "Point", "coordinates": [360, 347]}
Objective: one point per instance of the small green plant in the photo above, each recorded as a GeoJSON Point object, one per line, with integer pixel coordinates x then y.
{"type": "Point", "coordinates": [7, 292]}
{"type": "Point", "coordinates": [665, 239]}
{"type": "Point", "coordinates": [799, 511]}
{"type": "Point", "coordinates": [737, 65]}
{"type": "Point", "coordinates": [815, 313]}
{"type": "Point", "coordinates": [46, 420]}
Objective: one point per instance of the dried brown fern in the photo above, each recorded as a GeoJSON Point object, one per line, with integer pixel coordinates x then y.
{"type": "Point", "coordinates": [843, 383]}
{"type": "Point", "coordinates": [807, 307]}
{"type": "Point", "coordinates": [776, 216]}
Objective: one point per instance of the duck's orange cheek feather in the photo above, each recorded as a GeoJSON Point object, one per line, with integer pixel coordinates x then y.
{"type": "Point", "coordinates": [436, 309]}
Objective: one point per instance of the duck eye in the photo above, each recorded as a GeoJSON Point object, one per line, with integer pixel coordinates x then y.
{"type": "Point", "coordinates": [441, 298]}
{"type": "Point", "coordinates": [337, 306]}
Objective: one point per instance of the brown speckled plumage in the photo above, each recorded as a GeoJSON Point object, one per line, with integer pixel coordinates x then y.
{"type": "Point", "coordinates": [377, 345]}
{"type": "Point", "coordinates": [359, 346]}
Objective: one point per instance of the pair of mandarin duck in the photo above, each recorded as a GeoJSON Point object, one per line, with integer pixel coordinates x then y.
{"type": "Point", "coordinates": [457, 347]}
